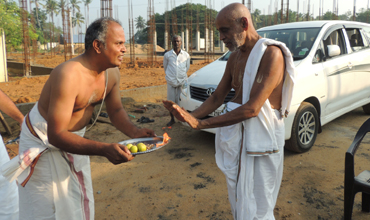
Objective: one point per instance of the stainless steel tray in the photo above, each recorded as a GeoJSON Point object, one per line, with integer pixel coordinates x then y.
{"type": "Point", "coordinates": [146, 141]}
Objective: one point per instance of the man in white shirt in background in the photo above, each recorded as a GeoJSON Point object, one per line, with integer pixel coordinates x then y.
{"type": "Point", "coordinates": [176, 63]}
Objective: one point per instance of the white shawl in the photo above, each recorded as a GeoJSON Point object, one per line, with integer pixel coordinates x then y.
{"type": "Point", "coordinates": [259, 131]}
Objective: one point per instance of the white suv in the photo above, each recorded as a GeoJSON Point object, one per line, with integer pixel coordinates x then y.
{"type": "Point", "coordinates": [332, 60]}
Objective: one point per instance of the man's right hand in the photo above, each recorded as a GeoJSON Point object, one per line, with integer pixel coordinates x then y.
{"type": "Point", "coordinates": [181, 114]}
{"type": "Point", "coordinates": [117, 153]}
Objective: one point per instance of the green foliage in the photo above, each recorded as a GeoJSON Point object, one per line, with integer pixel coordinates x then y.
{"type": "Point", "coordinates": [182, 17]}
{"type": "Point", "coordinates": [10, 21]}
{"type": "Point", "coordinates": [140, 23]}
{"type": "Point", "coordinates": [141, 36]}
{"type": "Point", "coordinates": [40, 17]}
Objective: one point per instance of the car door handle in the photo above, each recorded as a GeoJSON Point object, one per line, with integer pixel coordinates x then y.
{"type": "Point", "coordinates": [350, 65]}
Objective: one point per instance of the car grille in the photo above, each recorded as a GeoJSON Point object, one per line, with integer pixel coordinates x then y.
{"type": "Point", "coordinates": [200, 94]}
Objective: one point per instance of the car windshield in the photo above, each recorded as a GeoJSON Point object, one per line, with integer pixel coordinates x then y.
{"type": "Point", "coordinates": [226, 56]}
{"type": "Point", "coordinates": [298, 40]}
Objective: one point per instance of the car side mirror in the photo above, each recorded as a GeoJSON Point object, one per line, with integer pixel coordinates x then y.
{"type": "Point", "coordinates": [333, 50]}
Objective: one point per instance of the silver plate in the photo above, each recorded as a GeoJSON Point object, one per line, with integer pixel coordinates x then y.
{"type": "Point", "coordinates": [146, 141]}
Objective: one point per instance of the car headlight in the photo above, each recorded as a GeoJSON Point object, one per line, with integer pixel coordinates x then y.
{"type": "Point", "coordinates": [184, 89]}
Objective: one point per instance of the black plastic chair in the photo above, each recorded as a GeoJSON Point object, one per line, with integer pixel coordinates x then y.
{"type": "Point", "coordinates": [354, 184]}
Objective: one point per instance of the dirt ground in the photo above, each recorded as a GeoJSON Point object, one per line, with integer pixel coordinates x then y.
{"type": "Point", "coordinates": [182, 181]}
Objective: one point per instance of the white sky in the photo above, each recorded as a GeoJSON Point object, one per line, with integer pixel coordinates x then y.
{"type": "Point", "coordinates": [140, 7]}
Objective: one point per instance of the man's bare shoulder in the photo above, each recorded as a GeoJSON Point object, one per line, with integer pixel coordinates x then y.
{"type": "Point", "coordinates": [114, 73]}
{"type": "Point", "coordinates": [69, 70]}
{"type": "Point", "coordinates": [273, 53]}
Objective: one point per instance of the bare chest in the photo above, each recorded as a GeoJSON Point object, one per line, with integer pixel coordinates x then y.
{"type": "Point", "coordinates": [90, 95]}
{"type": "Point", "coordinates": [237, 75]}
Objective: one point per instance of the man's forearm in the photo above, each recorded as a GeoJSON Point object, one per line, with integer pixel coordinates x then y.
{"type": "Point", "coordinates": [237, 115]}
{"type": "Point", "coordinates": [73, 143]}
{"type": "Point", "coordinates": [9, 108]}
{"type": "Point", "coordinates": [121, 121]}
{"type": "Point", "coordinates": [209, 106]}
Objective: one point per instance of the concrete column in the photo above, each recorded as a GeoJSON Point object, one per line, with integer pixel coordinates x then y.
{"type": "Point", "coordinates": [211, 42]}
{"type": "Point", "coordinates": [197, 40]}
{"type": "Point", "coordinates": [182, 41]}
{"type": "Point", "coordinates": [155, 42]}
{"type": "Point", "coordinates": [166, 40]}
{"type": "Point", "coordinates": [206, 40]}
{"type": "Point", "coordinates": [187, 39]}
{"type": "Point", "coordinates": [71, 31]}
{"type": "Point", "coordinates": [3, 64]}
{"type": "Point", "coordinates": [222, 46]}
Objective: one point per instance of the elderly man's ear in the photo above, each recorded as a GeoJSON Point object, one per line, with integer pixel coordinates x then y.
{"type": "Point", "coordinates": [244, 22]}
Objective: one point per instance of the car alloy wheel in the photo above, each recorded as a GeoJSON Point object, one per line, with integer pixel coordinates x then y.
{"type": "Point", "coordinates": [304, 129]}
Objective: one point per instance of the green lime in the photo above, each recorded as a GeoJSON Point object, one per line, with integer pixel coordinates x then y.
{"type": "Point", "coordinates": [133, 149]}
{"type": "Point", "coordinates": [141, 147]}
{"type": "Point", "coordinates": [129, 146]}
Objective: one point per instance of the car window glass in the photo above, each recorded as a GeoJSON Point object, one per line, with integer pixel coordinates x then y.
{"type": "Point", "coordinates": [298, 40]}
{"type": "Point", "coordinates": [366, 31]}
{"type": "Point", "coordinates": [356, 40]}
{"type": "Point", "coordinates": [319, 55]}
{"type": "Point", "coordinates": [364, 40]}
{"type": "Point", "coordinates": [335, 38]}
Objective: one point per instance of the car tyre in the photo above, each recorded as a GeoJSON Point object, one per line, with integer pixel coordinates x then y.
{"type": "Point", "coordinates": [304, 130]}
{"type": "Point", "coordinates": [366, 109]}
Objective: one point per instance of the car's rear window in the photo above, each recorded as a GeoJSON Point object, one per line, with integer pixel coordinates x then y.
{"type": "Point", "coordinates": [299, 40]}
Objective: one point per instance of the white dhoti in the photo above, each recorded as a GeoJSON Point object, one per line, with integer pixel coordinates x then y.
{"type": "Point", "coordinates": [8, 191]}
{"type": "Point", "coordinates": [53, 184]}
{"type": "Point", "coordinates": [253, 195]}
{"type": "Point", "coordinates": [250, 153]}
{"type": "Point", "coordinates": [173, 93]}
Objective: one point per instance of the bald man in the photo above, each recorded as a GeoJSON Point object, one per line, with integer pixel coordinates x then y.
{"type": "Point", "coordinates": [250, 137]}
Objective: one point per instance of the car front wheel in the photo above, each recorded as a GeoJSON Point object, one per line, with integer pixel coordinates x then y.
{"type": "Point", "coordinates": [304, 130]}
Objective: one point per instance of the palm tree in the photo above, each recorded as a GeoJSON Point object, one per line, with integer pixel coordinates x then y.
{"type": "Point", "coordinates": [37, 10]}
{"type": "Point", "coordinates": [256, 18]}
{"type": "Point", "coordinates": [140, 23]}
{"type": "Point", "coordinates": [77, 21]}
{"type": "Point", "coordinates": [51, 7]}
{"type": "Point", "coordinates": [86, 3]}
{"type": "Point", "coordinates": [74, 5]}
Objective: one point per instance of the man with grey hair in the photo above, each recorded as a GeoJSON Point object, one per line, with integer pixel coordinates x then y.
{"type": "Point", "coordinates": [176, 64]}
{"type": "Point", "coordinates": [55, 177]}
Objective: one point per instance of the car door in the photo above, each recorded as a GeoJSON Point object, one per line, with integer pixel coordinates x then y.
{"type": "Point", "coordinates": [338, 70]}
{"type": "Point", "coordinates": [360, 56]}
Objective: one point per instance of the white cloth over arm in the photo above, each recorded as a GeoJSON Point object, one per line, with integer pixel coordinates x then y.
{"type": "Point", "coordinates": [259, 131]}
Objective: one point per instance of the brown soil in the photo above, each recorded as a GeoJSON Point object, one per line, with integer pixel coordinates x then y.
{"type": "Point", "coordinates": [22, 89]}
{"type": "Point", "coordinates": [182, 181]}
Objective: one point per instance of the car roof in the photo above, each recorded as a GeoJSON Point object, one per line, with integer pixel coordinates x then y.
{"type": "Point", "coordinates": [308, 24]}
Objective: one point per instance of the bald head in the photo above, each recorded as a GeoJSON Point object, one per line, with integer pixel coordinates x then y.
{"type": "Point", "coordinates": [234, 22]}
{"type": "Point", "coordinates": [234, 11]}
